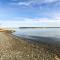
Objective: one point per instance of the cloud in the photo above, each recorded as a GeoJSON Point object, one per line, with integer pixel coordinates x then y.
{"type": "Point", "coordinates": [49, 1]}
{"type": "Point", "coordinates": [29, 2]}
{"type": "Point", "coordinates": [50, 11]}
{"type": "Point", "coordinates": [37, 2]}
{"type": "Point", "coordinates": [33, 2]}
{"type": "Point", "coordinates": [24, 3]}
{"type": "Point", "coordinates": [29, 22]}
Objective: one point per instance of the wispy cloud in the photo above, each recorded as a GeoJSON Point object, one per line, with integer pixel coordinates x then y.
{"type": "Point", "coordinates": [33, 2]}
{"type": "Point", "coordinates": [49, 8]}
{"type": "Point", "coordinates": [29, 22]}
{"type": "Point", "coordinates": [29, 2]}
{"type": "Point", "coordinates": [24, 3]}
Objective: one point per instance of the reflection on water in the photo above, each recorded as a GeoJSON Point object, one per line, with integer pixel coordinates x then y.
{"type": "Point", "coordinates": [42, 32]}
{"type": "Point", "coordinates": [49, 36]}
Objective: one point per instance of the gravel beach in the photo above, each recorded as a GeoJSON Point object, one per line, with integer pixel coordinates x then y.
{"type": "Point", "coordinates": [13, 48]}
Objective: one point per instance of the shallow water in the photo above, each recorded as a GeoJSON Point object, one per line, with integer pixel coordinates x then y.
{"type": "Point", "coordinates": [42, 32]}
{"type": "Point", "coordinates": [45, 35]}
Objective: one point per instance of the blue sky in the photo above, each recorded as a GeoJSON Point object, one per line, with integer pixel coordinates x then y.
{"type": "Point", "coordinates": [29, 12]}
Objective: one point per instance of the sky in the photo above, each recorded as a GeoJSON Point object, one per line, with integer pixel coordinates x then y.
{"type": "Point", "coordinates": [37, 13]}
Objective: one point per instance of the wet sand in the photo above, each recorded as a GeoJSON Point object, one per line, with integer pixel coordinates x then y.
{"type": "Point", "coordinates": [14, 48]}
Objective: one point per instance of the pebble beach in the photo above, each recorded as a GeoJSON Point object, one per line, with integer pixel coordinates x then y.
{"type": "Point", "coordinates": [14, 48]}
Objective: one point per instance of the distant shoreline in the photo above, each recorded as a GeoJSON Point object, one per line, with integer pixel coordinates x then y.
{"type": "Point", "coordinates": [39, 27]}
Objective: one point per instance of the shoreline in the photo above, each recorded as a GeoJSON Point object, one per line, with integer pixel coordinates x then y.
{"type": "Point", "coordinates": [53, 46]}
{"type": "Point", "coordinates": [25, 50]}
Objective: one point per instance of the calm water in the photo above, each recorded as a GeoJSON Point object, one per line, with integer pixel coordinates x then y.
{"type": "Point", "coordinates": [45, 35]}
{"type": "Point", "coordinates": [42, 32]}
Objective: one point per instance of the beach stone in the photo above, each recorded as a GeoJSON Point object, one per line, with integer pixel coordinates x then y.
{"type": "Point", "coordinates": [18, 49]}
